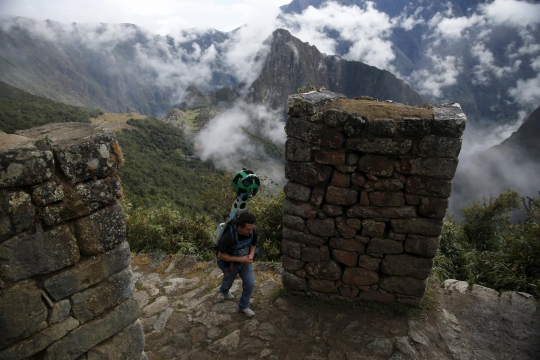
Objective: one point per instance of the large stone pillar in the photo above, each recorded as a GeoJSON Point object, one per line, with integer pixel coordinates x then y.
{"type": "Point", "coordinates": [66, 284]}
{"type": "Point", "coordinates": [368, 189]}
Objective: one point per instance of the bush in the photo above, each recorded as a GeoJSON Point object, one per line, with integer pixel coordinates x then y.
{"type": "Point", "coordinates": [169, 231]}
{"type": "Point", "coordinates": [488, 250]}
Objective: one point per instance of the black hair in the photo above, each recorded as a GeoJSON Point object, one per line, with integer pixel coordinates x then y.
{"type": "Point", "coordinates": [245, 218]}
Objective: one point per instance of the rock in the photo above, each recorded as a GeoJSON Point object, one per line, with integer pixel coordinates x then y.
{"type": "Point", "coordinates": [23, 161]}
{"type": "Point", "coordinates": [384, 185]}
{"type": "Point", "coordinates": [384, 246]}
{"type": "Point", "coordinates": [305, 210]}
{"type": "Point", "coordinates": [404, 285]}
{"type": "Point", "coordinates": [321, 227]}
{"type": "Point", "coordinates": [293, 282]}
{"type": "Point", "coordinates": [359, 276]}
{"type": "Point", "coordinates": [324, 286]}
{"type": "Point", "coordinates": [142, 298]}
{"type": "Point", "coordinates": [159, 305]}
{"type": "Point", "coordinates": [28, 255]}
{"type": "Point", "coordinates": [347, 244]}
{"type": "Point", "coordinates": [310, 103]}
{"type": "Point", "coordinates": [394, 212]}
{"type": "Point", "coordinates": [442, 147]}
{"type": "Point", "coordinates": [268, 332]}
{"type": "Point", "coordinates": [403, 345]}
{"type": "Point", "coordinates": [47, 193]}
{"type": "Point", "coordinates": [59, 312]}
{"type": "Point", "coordinates": [330, 157]}
{"type": "Point", "coordinates": [294, 222]}
{"type": "Point", "coordinates": [341, 196]}
{"type": "Point", "coordinates": [422, 245]}
{"type": "Point", "coordinates": [94, 332]}
{"type": "Point", "coordinates": [433, 207]}
{"type": "Point", "coordinates": [226, 344]}
{"type": "Point", "coordinates": [127, 344]}
{"type": "Point", "coordinates": [23, 313]}
{"type": "Point", "coordinates": [380, 198]}
{"type": "Point", "coordinates": [382, 146]}
{"type": "Point", "coordinates": [267, 288]}
{"type": "Point", "coordinates": [296, 150]}
{"type": "Point", "coordinates": [101, 230]}
{"type": "Point", "coordinates": [82, 151]}
{"type": "Point", "coordinates": [418, 226]}
{"type": "Point", "coordinates": [372, 228]}
{"type": "Point", "coordinates": [297, 191]}
{"type": "Point", "coordinates": [39, 341]}
{"type": "Point", "coordinates": [114, 290]}
{"type": "Point", "coordinates": [309, 174]}
{"type": "Point", "coordinates": [344, 229]}
{"type": "Point", "coordinates": [291, 249]}
{"type": "Point", "coordinates": [314, 133]}
{"type": "Point", "coordinates": [376, 165]}
{"type": "Point", "coordinates": [340, 179]}
{"type": "Point", "coordinates": [334, 117]}
{"type": "Point", "coordinates": [383, 347]}
{"type": "Point", "coordinates": [16, 213]}
{"type": "Point", "coordinates": [302, 238]}
{"type": "Point", "coordinates": [345, 257]}
{"type": "Point", "coordinates": [407, 265]}
{"type": "Point", "coordinates": [327, 270]}
{"type": "Point", "coordinates": [426, 186]}
{"type": "Point", "coordinates": [88, 272]}
{"type": "Point", "coordinates": [368, 262]}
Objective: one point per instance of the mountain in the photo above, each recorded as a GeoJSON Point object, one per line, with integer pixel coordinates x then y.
{"type": "Point", "coordinates": [292, 63]}
{"type": "Point", "coordinates": [466, 51]}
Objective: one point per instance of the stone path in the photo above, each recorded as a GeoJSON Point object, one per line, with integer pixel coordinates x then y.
{"type": "Point", "coordinates": [184, 317]}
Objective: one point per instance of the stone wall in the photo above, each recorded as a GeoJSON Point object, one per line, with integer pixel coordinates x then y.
{"type": "Point", "coordinates": [66, 284]}
{"type": "Point", "coordinates": [368, 189]}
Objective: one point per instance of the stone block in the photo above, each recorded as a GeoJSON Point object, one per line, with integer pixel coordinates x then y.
{"type": "Point", "coordinates": [127, 344]}
{"type": "Point", "coordinates": [348, 258]}
{"type": "Point", "coordinates": [302, 238]}
{"type": "Point", "coordinates": [88, 272]}
{"type": "Point", "coordinates": [324, 270]}
{"type": "Point", "coordinates": [395, 236]}
{"type": "Point", "coordinates": [310, 103]}
{"type": "Point", "coordinates": [16, 213]}
{"type": "Point", "coordinates": [296, 150]}
{"type": "Point", "coordinates": [344, 230]}
{"type": "Point", "coordinates": [340, 179]}
{"type": "Point", "coordinates": [28, 255]}
{"type": "Point", "coordinates": [291, 249]}
{"type": "Point", "coordinates": [294, 222]}
{"type": "Point", "coordinates": [404, 285]}
{"type": "Point", "coordinates": [324, 253]}
{"type": "Point", "coordinates": [411, 199]}
{"type": "Point", "coordinates": [293, 282]}
{"type": "Point", "coordinates": [425, 186]}
{"type": "Point", "coordinates": [439, 147]}
{"type": "Point", "coordinates": [358, 179]}
{"type": "Point", "coordinates": [50, 192]}
{"type": "Point", "coordinates": [376, 165]}
{"type": "Point", "coordinates": [314, 133]}
{"type": "Point", "coordinates": [334, 117]}
{"type": "Point", "coordinates": [383, 198]}
{"type": "Point", "coordinates": [356, 125]}
{"type": "Point", "coordinates": [317, 195]}
{"type": "Point", "coordinates": [372, 228]}
{"type": "Point", "coordinates": [39, 341]}
{"type": "Point", "coordinates": [23, 161]}
{"type": "Point", "coordinates": [384, 246]}
{"type": "Point", "coordinates": [109, 293]}
{"type": "Point", "coordinates": [306, 210]}
{"type": "Point", "coordinates": [384, 185]}
{"type": "Point", "coordinates": [82, 151]}
{"type": "Point", "coordinates": [341, 196]}
{"type": "Point", "coordinates": [321, 227]}
{"type": "Point", "coordinates": [369, 262]}
{"type": "Point", "coordinates": [94, 332]}
{"type": "Point", "coordinates": [364, 199]}
{"type": "Point", "coordinates": [414, 128]}
{"type": "Point", "coordinates": [418, 226]}
{"type": "Point", "coordinates": [347, 244]}
{"type": "Point", "coordinates": [59, 312]}
{"type": "Point", "coordinates": [291, 264]}
{"type": "Point", "coordinates": [309, 174]}
{"type": "Point", "coordinates": [355, 224]}
{"type": "Point", "coordinates": [376, 212]}
{"type": "Point", "coordinates": [406, 265]}
{"type": "Point", "coordinates": [332, 210]}
{"type": "Point", "coordinates": [330, 157]}
{"type": "Point", "coordinates": [440, 168]}
{"type": "Point", "coordinates": [297, 191]}
{"type": "Point", "coordinates": [422, 245]}
{"type": "Point", "coordinates": [101, 230]}
{"type": "Point", "coordinates": [346, 169]}
{"type": "Point", "coordinates": [359, 276]}
{"type": "Point", "coordinates": [381, 146]}
{"type": "Point", "coordinates": [324, 286]}
{"type": "Point", "coordinates": [433, 207]}
{"type": "Point", "coordinates": [83, 199]}
{"type": "Point", "coordinates": [408, 299]}
{"type": "Point", "coordinates": [449, 120]}
{"type": "Point", "coordinates": [311, 254]}
{"type": "Point", "coordinates": [22, 312]}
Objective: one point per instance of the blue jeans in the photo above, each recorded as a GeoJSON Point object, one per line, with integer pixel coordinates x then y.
{"type": "Point", "coordinates": [248, 281]}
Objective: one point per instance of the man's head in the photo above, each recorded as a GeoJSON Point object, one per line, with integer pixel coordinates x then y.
{"type": "Point", "coordinates": [245, 222]}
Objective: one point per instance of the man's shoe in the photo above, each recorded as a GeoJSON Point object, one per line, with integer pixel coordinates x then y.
{"type": "Point", "coordinates": [228, 296]}
{"type": "Point", "coordinates": [248, 312]}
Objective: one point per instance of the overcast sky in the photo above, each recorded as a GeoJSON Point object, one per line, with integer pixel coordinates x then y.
{"type": "Point", "coordinates": [159, 16]}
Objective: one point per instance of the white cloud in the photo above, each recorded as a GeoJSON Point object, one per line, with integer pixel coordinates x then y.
{"type": "Point", "coordinates": [443, 72]}
{"type": "Point", "coordinates": [366, 28]}
{"type": "Point", "coordinates": [512, 12]}
{"type": "Point", "coordinates": [487, 65]}
{"type": "Point", "coordinates": [527, 92]}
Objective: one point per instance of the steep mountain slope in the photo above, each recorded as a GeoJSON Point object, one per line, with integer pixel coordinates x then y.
{"type": "Point", "coordinates": [454, 50]}
{"type": "Point", "coordinates": [292, 63]}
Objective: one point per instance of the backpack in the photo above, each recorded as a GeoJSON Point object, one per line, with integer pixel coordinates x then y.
{"type": "Point", "coordinates": [229, 226]}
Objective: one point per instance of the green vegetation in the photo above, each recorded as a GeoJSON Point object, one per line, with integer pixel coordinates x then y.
{"type": "Point", "coordinates": [488, 250]}
{"type": "Point", "coordinates": [155, 172]}
{"type": "Point", "coordinates": [20, 110]}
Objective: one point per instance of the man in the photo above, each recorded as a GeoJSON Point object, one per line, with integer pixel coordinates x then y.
{"type": "Point", "coordinates": [235, 257]}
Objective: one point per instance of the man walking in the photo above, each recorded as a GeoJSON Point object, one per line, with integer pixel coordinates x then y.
{"type": "Point", "coordinates": [235, 257]}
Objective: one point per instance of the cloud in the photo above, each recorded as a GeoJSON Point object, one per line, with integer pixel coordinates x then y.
{"type": "Point", "coordinates": [527, 92]}
{"type": "Point", "coordinates": [443, 72]}
{"type": "Point", "coordinates": [487, 67]}
{"type": "Point", "coordinates": [366, 29]}
{"type": "Point", "coordinates": [511, 12]}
